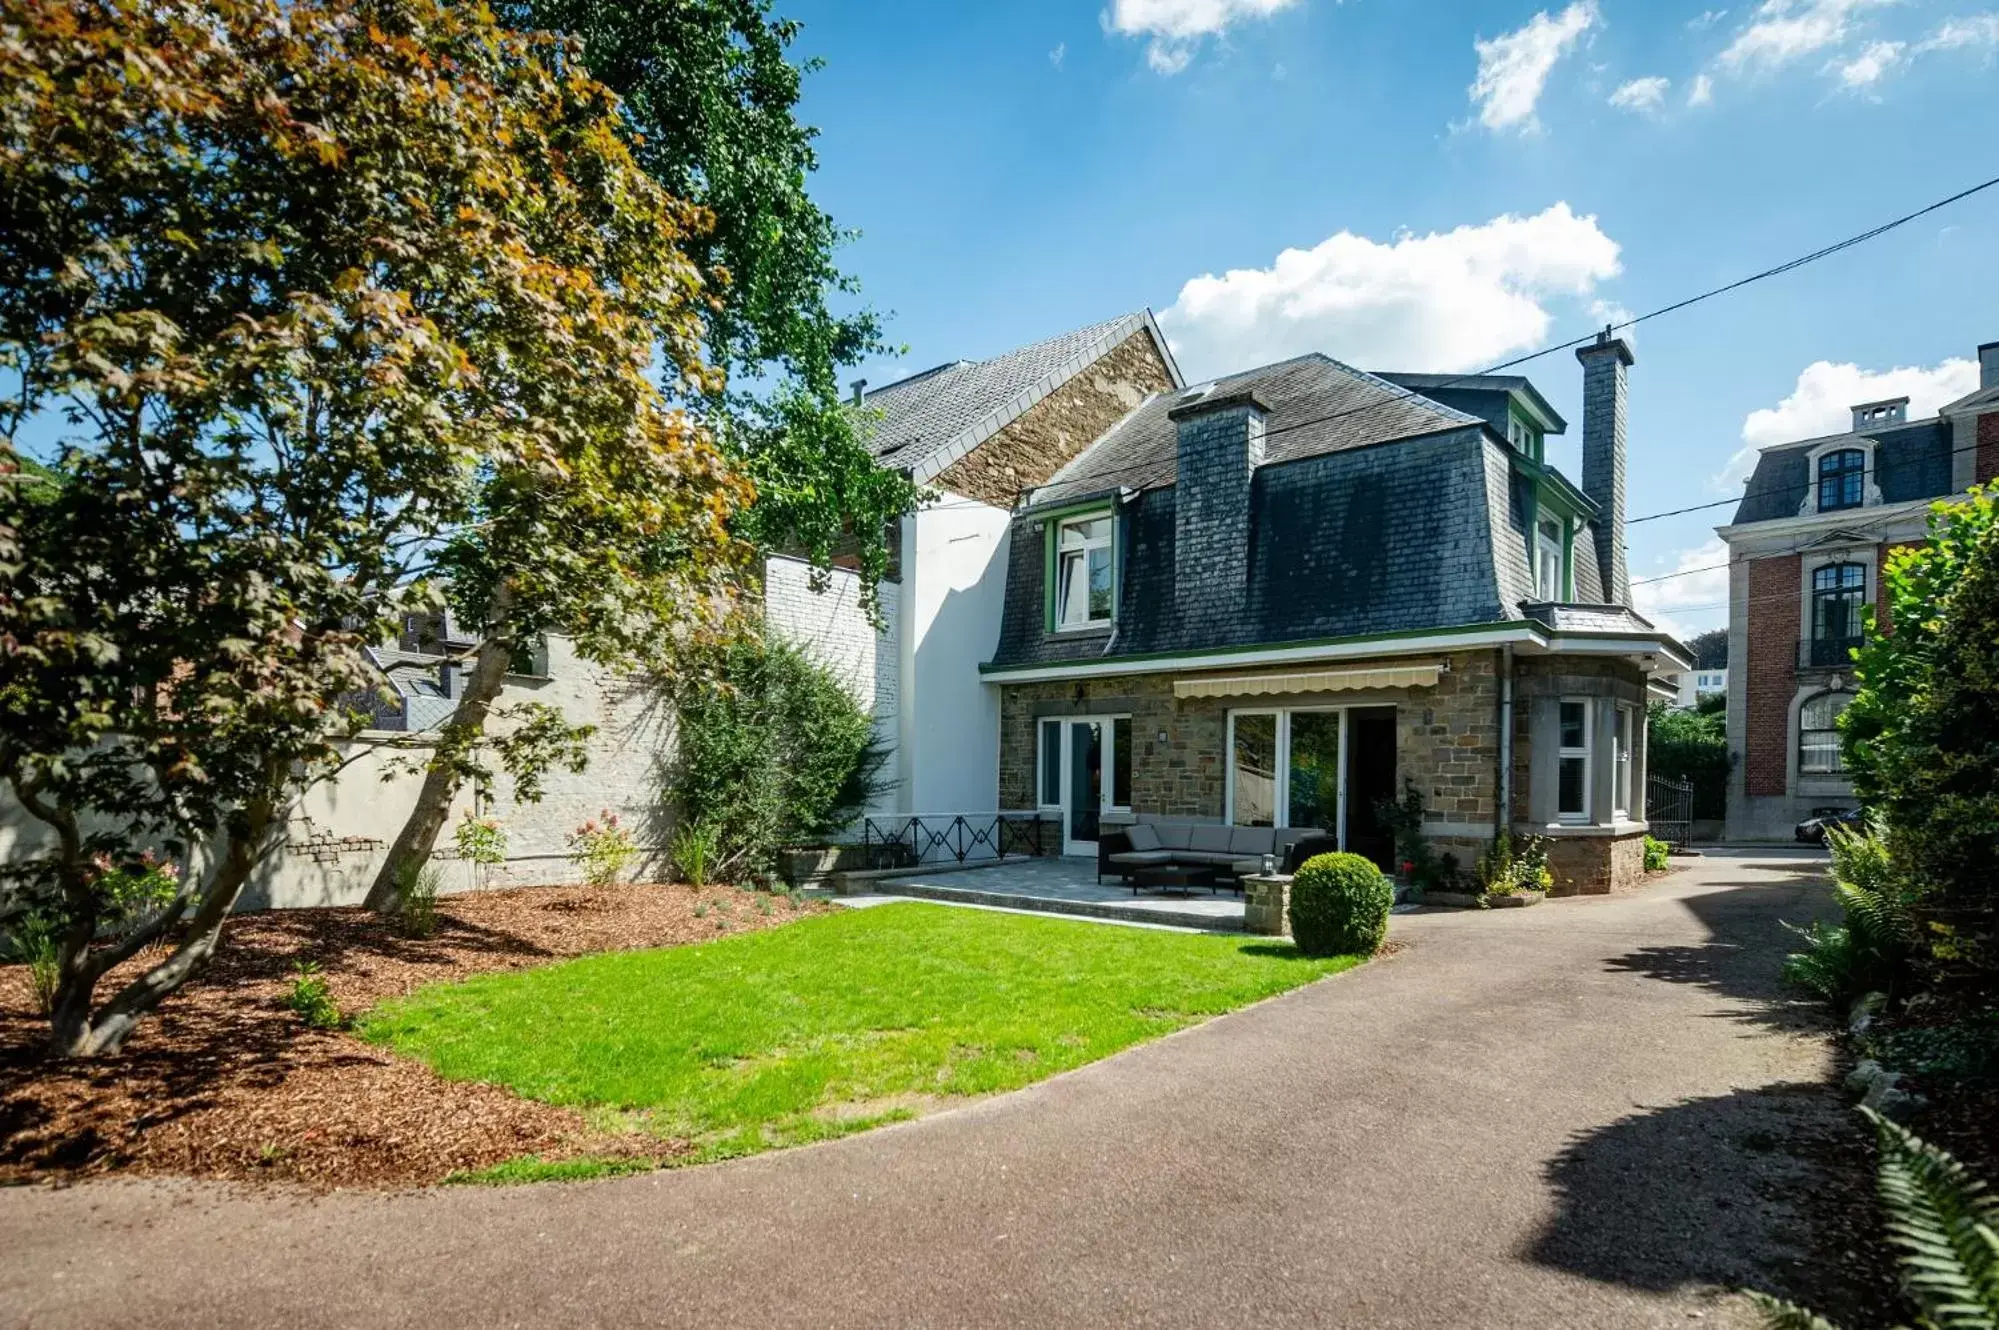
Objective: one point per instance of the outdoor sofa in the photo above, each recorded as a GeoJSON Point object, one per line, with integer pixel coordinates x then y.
{"type": "Point", "coordinates": [1231, 852]}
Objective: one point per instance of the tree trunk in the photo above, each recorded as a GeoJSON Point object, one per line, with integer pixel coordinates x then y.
{"type": "Point", "coordinates": [440, 783]}
{"type": "Point", "coordinates": [75, 1031]}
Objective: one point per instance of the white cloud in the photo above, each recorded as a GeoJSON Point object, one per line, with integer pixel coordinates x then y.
{"type": "Point", "coordinates": [1175, 27]}
{"type": "Point", "coordinates": [1513, 68]}
{"type": "Point", "coordinates": [1956, 33]}
{"type": "Point", "coordinates": [1702, 92]}
{"type": "Point", "coordinates": [1694, 595]}
{"type": "Point", "coordinates": [1446, 301]}
{"type": "Point", "coordinates": [1787, 30]}
{"type": "Point", "coordinates": [1869, 67]}
{"type": "Point", "coordinates": [1706, 19]}
{"type": "Point", "coordinates": [1826, 393]}
{"type": "Point", "coordinates": [1056, 56]}
{"type": "Point", "coordinates": [1645, 95]}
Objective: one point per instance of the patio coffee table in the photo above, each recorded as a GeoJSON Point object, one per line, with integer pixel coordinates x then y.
{"type": "Point", "coordinates": [1173, 877]}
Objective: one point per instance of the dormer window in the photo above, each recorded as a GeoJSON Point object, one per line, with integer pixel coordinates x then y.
{"type": "Point", "coordinates": [1083, 577]}
{"type": "Point", "coordinates": [1842, 479]}
{"type": "Point", "coordinates": [1550, 554]}
{"type": "Point", "coordinates": [1526, 440]}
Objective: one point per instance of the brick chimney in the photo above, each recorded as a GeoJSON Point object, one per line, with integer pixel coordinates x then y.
{"type": "Point", "coordinates": [1220, 446]}
{"type": "Point", "coordinates": [1604, 362]}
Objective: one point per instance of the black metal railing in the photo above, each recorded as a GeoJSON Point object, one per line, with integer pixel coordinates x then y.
{"type": "Point", "coordinates": [910, 842]}
{"type": "Point", "coordinates": [1669, 808]}
{"type": "Point", "coordinates": [1827, 653]}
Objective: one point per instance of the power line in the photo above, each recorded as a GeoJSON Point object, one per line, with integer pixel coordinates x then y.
{"type": "Point", "coordinates": [1404, 394]}
{"type": "Point", "coordinates": [1908, 463]}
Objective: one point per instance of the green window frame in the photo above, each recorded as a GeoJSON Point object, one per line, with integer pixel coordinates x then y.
{"type": "Point", "coordinates": [1069, 544]}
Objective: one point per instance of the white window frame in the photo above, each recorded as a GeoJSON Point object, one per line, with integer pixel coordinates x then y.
{"type": "Point", "coordinates": [1623, 740]}
{"type": "Point", "coordinates": [1547, 559]}
{"type": "Point", "coordinates": [1107, 543]}
{"type": "Point", "coordinates": [1564, 753]}
{"type": "Point", "coordinates": [1838, 768]}
{"type": "Point", "coordinates": [1281, 796]}
{"type": "Point", "coordinates": [1065, 758]}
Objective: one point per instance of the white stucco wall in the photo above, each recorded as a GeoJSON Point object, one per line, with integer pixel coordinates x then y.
{"type": "Point", "coordinates": [953, 589]}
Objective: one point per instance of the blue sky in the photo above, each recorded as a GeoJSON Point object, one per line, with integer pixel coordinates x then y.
{"type": "Point", "coordinates": [1447, 184]}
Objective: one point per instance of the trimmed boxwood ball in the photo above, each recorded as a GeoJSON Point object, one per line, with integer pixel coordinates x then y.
{"type": "Point", "coordinates": [1339, 906]}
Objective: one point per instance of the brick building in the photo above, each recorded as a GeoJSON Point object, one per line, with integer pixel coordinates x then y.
{"type": "Point", "coordinates": [1817, 520]}
{"type": "Point", "coordinates": [1275, 598]}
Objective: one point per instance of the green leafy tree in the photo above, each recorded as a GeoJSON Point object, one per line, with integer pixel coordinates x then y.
{"type": "Point", "coordinates": [1690, 746]}
{"type": "Point", "coordinates": [708, 103]}
{"type": "Point", "coordinates": [770, 751]}
{"type": "Point", "coordinates": [307, 279]}
{"type": "Point", "coordinates": [710, 96]}
{"type": "Point", "coordinates": [1921, 735]}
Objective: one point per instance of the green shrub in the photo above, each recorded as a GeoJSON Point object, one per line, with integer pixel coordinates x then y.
{"type": "Point", "coordinates": [417, 885]}
{"type": "Point", "coordinates": [1690, 746]}
{"type": "Point", "coordinates": [1511, 866]}
{"type": "Point", "coordinates": [1870, 950]}
{"type": "Point", "coordinates": [1656, 853]}
{"type": "Point", "coordinates": [311, 998]}
{"type": "Point", "coordinates": [36, 943]}
{"type": "Point", "coordinates": [771, 750]}
{"type": "Point", "coordinates": [482, 840]}
{"type": "Point", "coordinates": [1944, 1225]}
{"type": "Point", "coordinates": [694, 852]}
{"type": "Point", "coordinates": [1339, 906]}
{"type": "Point", "coordinates": [603, 849]}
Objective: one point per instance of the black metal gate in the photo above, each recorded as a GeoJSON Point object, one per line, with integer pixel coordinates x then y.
{"type": "Point", "coordinates": [1669, 807]}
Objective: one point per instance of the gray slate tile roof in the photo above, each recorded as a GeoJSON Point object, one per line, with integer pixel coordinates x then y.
{"type": "Point", "coordinates": [1570, 618]}
{"type": "Point", "coordinates": [1910, 462]}
{"type": "Point", "coordinates": [931, 419]}
{"type": "Point", "coordinates": [1315, 405]}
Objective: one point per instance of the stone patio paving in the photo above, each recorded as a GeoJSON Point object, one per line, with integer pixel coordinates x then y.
{"type": "Point", "coordinates": [1069, 886]}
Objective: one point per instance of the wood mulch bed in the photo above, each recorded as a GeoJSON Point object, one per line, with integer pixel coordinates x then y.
{"type": "Point", "coordinates": [224, 1081]}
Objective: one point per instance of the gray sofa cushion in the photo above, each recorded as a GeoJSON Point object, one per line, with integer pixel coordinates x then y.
{"type": "Point", "coordinates": [1144, 836]}
{"type": "Point", "coordinates": [1211, 839]}
{"type": "Point", "coordinates": [1174, 835]}
{"type": "Point", "coordinates": [1245, 867]}
{"type": "Point", "coordinates": [1144, 858]}
{"type": "Point", "coordinates": [1205, 858]}
{"type": "Point", "coordinates": [1245, 841]}
{"type": "Point", "coordinates": [1290, 836]}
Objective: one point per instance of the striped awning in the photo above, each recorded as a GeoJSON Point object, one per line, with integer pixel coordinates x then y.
{"type": "Point", "coordinates": [1421, 674]}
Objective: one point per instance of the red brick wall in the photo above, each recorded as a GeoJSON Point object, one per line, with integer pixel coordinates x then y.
{"type": "Point", "coordinates": [1772, 673]}
{"type": "Point", "coordinates": [1987, 456]}
{"type": "Point", "coordinates": [1881, 616]}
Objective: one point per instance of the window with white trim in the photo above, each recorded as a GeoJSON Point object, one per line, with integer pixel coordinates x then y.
{"type": "Point", "coordinates": [1572, 761]}
{"type": "Point", "coordinates": [1818, 734]}
{"type": "Point", "coordinates": [1083, 571]}
{"type": "Point", "coordinates": [1621, 755]}
{"type": "Point", "coordinates": [1050, 765]}
{"type": "Point", "coordinates": [1549, 549]}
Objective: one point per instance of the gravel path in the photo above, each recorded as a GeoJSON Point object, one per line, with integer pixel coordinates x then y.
{"type": "Point", "coordinates": [1582, 1114]}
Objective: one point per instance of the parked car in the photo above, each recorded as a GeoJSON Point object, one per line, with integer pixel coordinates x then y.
{"type": "Point", "coordinates": [1813, 829]}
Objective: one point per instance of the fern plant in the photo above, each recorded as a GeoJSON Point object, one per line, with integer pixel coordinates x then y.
{"type": "Point", "coordinates": [1870, 949]}
{"type": "Point", "coordinates": [1944, 1225]}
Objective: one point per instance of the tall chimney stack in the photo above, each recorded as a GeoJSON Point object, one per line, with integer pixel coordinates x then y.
{"type": "Point", "coordinates": [1220, 447]}
{"type": "Point", "coordinates": [1988, 366]}
{"type": "Point", "coordinates": [1604, 362]}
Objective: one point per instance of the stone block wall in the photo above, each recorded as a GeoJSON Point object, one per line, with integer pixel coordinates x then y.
{"type": "Point", "coordinates": [1595, 865]}
{"type": "Point", "coordinates": [1032, 448]}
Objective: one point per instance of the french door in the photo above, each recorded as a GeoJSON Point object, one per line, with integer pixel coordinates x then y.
{"type": "Point", "coordinates": [1085, 772]}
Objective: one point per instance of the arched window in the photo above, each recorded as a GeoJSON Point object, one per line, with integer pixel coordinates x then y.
{"type": "Point", "coordinates": [1842, 479]}
{"type": "Point", "coordinates": [1818, 734]}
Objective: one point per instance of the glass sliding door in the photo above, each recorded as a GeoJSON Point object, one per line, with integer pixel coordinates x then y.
{"type": "Point", "coordinates": [1253, 769]}
{"type": "Point", "coordinates": [1084, 798]}
{"type": "Point", "coordinates": [1312, 798]}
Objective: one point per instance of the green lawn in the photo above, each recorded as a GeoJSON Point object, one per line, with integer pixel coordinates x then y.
{"type": "Point", "coordinates": [828, 1025]}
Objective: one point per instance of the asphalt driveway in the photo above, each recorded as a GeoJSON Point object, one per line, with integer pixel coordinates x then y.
{"type": "Point", "coordinates": [1581, 1114]}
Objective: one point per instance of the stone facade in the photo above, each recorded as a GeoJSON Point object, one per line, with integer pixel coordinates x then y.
{"type": "Point", "coordinates": [1986, 469]}
{"type": "Point", "coordinates": [1594, 865]}
{"type": "Point", "coordinates": [1031, 449]}
{"type": "Point", "coordinates": [1266, 906]}
{"type": "Point", "coordinates": [1770, 673]}
{"type": "Point", "coordinates": [1446, 742]}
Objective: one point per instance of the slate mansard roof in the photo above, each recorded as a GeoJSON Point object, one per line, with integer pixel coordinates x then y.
{"type": "Point", "coordinates": [1376, 510]}
{"type": "Point", "coordinates": [1316, 405]}
{"type": "Point", "coordinates": [929, 420]}
{"type": "Point", "coordinates": [1911, 462]}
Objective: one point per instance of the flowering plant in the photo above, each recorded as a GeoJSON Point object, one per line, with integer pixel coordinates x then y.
{"type": "Point", "coordinates": [483, 840]}
{"type": "Point", "coordinates": [603, 849]}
